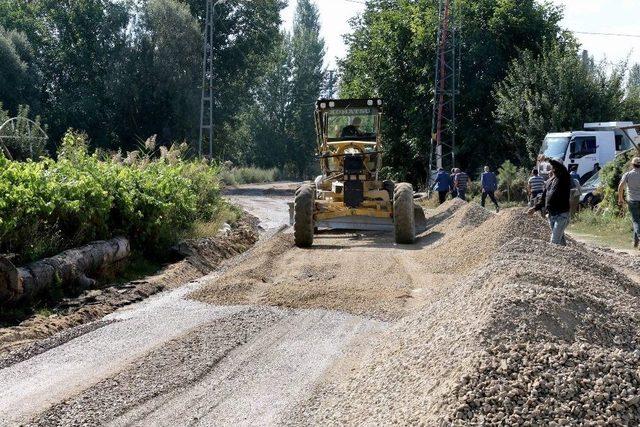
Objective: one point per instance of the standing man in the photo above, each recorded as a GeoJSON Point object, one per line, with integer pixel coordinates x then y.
{"type": "Point", "coordinates": [555, 198]}
{"type": "Point", "coordinates": [489, 186]}
{"type": "Point", "coordinates": [576, 192]}
{"type": "Point", "coordinates": [631, 181]}
{"type": "Point", "coordinates": [575, 175]}
{"type": "Point", "coordinates": [461, 182]}
{"type": "Point", "coordinates": [442, 185]}
{"type": "Point", "coordinates": [535, 187]}
{"type": "Point", "coordinates": [452, 184]}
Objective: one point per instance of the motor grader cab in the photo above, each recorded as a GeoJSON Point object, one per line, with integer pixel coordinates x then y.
{"type": "Point", "coordinates": [349, 194]}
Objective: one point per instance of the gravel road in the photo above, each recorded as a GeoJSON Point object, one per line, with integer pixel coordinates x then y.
{"type": "Point", "coordinates": [172, 360]}
{"type": "Point", "coordinates": [360, 331]}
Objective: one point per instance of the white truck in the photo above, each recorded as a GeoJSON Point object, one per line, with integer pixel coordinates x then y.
{"type": "Point", "coordinates": [587, 151]}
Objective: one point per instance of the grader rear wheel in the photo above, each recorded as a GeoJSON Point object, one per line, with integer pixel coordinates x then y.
{"type": "Point", "coordinates": [303, 216]}
{"type": "Point", "coordinates": [403, 214]}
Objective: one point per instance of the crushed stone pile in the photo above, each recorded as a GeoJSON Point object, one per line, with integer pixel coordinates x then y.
{"type": "Point", "coordinates": [536, 335]}
{"type": "Point", "coordinates": [470, 215]}
{"type": "Point", "coordinates": [463, 250]}
{"type": "Point", "coordinates": [443, 211]}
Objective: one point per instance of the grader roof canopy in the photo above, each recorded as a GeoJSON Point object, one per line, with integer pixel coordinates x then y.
{"type": "Point", "coordinates": [342, 104]}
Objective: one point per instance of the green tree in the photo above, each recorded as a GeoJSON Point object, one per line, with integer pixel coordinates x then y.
{"type": "Point", "coordinates": [307, 76]}
{"type": "Point", "coordinates": [81, 55]}
{"type": "Point", "coordinates": [553, 92]}
{"type": "Point", "coordinates": [245, 35]}
{"type": "Point", "coordinates": [18, 71]}
{"type": "Point", "coordinates": [392, 54]}
{"type": "Point", "coordinates": [269, 120]}
{"type": "Point", "coordinates": [508, 173]}
{"type": "Point", "coordinates": [161, 95]}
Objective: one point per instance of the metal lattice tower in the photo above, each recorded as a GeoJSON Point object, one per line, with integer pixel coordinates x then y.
{"type": "Point", "coordinates": [206, 101]}
{"type": "Point", "coordinates": [443, 125]}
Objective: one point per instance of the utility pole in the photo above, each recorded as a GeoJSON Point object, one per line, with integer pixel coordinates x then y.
{"type": "Point", "coordinates": [443, 124]}
{"type": "Point", "coordinates": [206, 100]}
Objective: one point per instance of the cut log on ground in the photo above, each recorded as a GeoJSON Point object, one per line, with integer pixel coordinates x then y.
{"type": "Point", "coordinates": [70, 268]}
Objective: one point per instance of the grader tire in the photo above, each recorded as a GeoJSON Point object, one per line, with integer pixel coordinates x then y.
{"type": "Point", "coordinates": [404, 222]}
{"type": "Point", "coordinates": [303, 216]}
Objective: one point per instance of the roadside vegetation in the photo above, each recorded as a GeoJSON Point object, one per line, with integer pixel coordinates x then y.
{"type": "Point", "coordinates": [248, 175]}
{"type": "Point", "coordinates": [151, 196]}
{"type": "Point", "coordinates": [608, 222]}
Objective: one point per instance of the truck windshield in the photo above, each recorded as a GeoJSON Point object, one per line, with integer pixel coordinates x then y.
{"type": "Point", "coordinates": [555, 147]}
{"type": "Point", "coordinates": [351, 124]}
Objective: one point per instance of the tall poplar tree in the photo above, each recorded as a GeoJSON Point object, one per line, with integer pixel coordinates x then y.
{"type": "Point", "coordinates": [307, 76]}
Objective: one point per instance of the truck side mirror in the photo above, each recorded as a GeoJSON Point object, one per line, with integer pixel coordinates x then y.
{"type": "Point", "coordinates": [572, 149]}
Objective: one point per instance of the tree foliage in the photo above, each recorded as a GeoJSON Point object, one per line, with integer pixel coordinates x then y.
{"type": "Point", "coordinates": [279, 126]}
{"type": "Point", "coordinates": [554, 91]}
{"type": "Point", "coordinates": [391, 54]}
{"type": "Point", "coordinates": [122, 70]}
{"type": "Point", "coordinates": [19, 76]}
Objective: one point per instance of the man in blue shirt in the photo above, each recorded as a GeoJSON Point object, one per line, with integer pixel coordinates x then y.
{"type": "Point", "coordinates": [574, 175]}
{"type": "Point", "coordinates": [489, 186]}
{"type": "Point", "coordinates": [442, 184]}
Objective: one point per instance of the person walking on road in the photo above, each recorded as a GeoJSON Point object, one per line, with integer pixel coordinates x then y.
{"type": "Point", "coordinates": [555, 197]}
{"type": "Point", "coordinates": [452, 184]}
{"type": "Point", "coordinates": [461, 182]}
{"type": "Point", "coordinates": [535, 187]}
{"type": "Point", "coordinates": [489, 184]}
{"type": "Point", "coordinates": [631, 182]}
{"type": "Point", "coordinates": [442, 185]}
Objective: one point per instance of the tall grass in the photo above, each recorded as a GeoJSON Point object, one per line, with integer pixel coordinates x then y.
{"type": "Point", "coordinates": [247, 175]}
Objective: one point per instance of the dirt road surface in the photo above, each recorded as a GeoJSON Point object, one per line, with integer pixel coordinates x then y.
{"type": "Point", "coordinates": [358, 330]}
{"type": "Point", "coordinates": [173, 360]}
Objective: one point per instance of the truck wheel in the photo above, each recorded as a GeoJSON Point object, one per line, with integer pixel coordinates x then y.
{"type": "Point", "coordinates": [404, 222]}
{"type": "Point", "coordinates": [303, 216]}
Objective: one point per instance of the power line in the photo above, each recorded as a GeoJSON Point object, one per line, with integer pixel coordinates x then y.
{"type": "Point", "coordinates": [606, 34]}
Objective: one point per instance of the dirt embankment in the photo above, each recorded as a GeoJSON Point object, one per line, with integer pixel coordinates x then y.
{"type": "Point", "coordinates": [199, 257]}
{"type": "Point", "coordinates": [493, 325]}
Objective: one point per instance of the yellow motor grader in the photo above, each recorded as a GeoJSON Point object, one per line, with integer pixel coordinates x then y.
{"type": "Point", "coordinates": [349, 194]}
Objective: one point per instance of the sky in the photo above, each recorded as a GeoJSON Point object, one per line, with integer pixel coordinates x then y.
{"type": "Point", "coordinates": [602, 16]}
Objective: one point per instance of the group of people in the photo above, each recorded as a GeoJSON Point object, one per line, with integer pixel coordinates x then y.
{"type": "Point", "coordinates": [558, 195]}
{"type": "Point", "coordinates": [457, 183]}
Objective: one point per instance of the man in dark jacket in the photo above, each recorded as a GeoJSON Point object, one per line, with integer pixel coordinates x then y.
{"type": "Point", "coordinates": [461, 183]}
{"type": "Point", "coordinates": [442, 185]}
{"type": "Point", "coordinates": [489, 183]}
{"type": "Point", "coordinates": [555, 198]}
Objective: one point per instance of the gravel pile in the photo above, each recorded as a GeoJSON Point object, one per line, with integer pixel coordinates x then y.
{"type": "Point", "coordinates": [443, 211]}
{"type": "Point", "coordinates": [471, 215]}
{"type": "Point", "coordinates": [466, 248]}
{"type": "Point", "coordinates": [531, 334]}
{"type": "Point", "coordinates": [551, 384]}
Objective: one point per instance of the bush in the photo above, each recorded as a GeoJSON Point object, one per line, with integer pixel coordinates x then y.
{"type": "Point", "coordinates": [247, 175]}
{"type": "Point", "coordinates": [48, 206]}
{"type": "Point", "coordinates": [610, 177]}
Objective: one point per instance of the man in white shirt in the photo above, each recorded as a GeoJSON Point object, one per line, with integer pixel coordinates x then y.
{"type": "Point", "coordinates": [631, 182]}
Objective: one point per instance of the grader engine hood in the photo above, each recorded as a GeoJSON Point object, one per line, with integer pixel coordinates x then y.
{"type": "Point", "coordinates": [354, 175]}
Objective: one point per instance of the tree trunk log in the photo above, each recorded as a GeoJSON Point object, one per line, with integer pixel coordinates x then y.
{"type": "Point", "coordinates": [71, 267]}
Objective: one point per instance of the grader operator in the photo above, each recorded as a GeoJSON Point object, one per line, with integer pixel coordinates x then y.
{"type": "Point", "coordinates": [349, 193]}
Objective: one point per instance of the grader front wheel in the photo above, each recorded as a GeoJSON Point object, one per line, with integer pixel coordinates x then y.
{"type": "Point", "coordinates": [303, 216]}
{"type": "Point", "coordinates": [403, 214]}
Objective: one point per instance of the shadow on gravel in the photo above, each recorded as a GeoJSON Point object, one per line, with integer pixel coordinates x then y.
{"type": "Point", "coordinates": [337, 239]}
